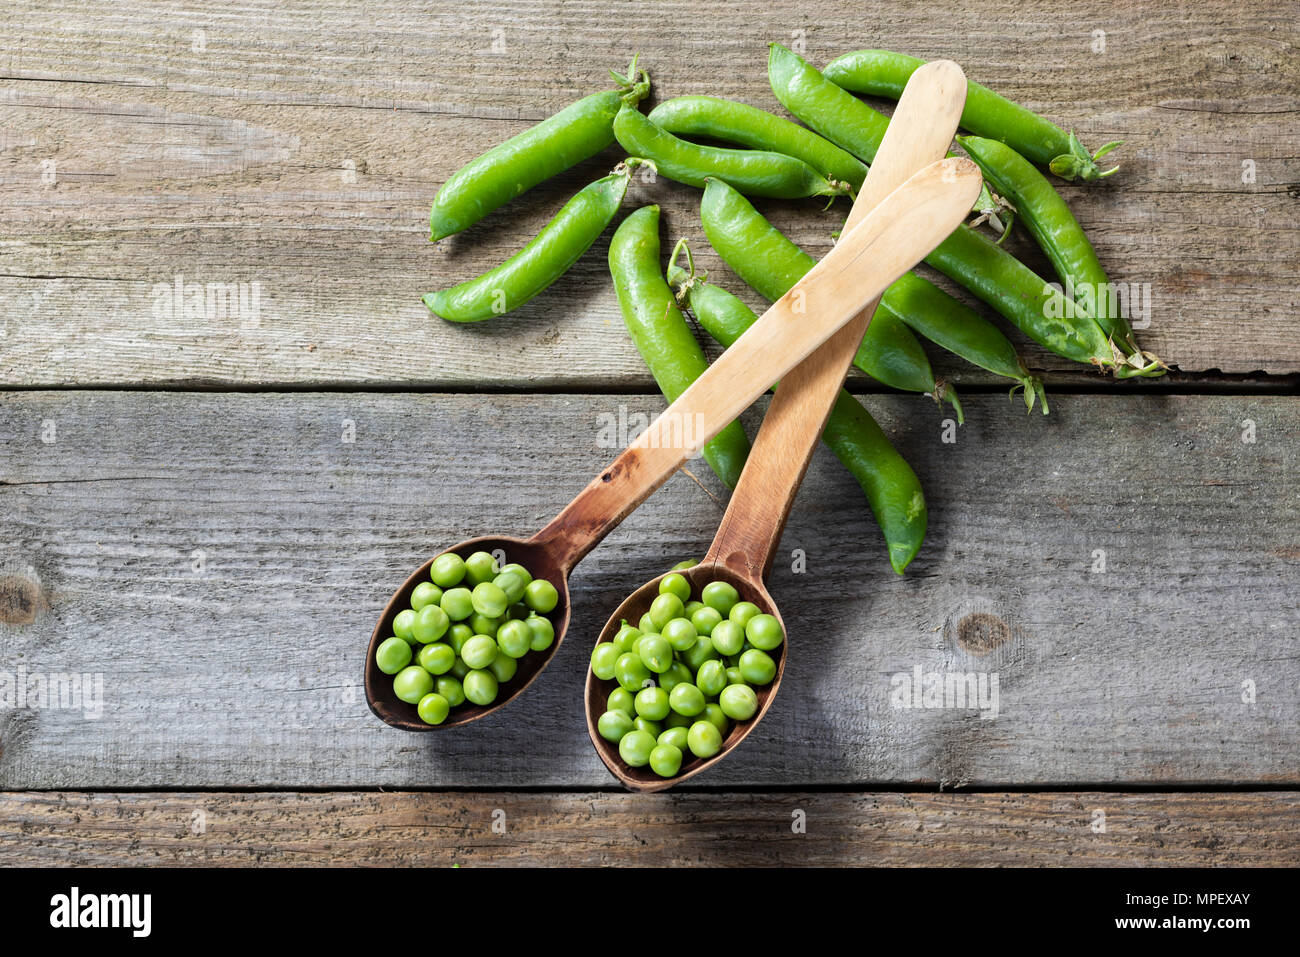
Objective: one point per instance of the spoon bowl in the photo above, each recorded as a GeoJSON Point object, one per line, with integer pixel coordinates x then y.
{"type": "Point", "coordinates": [542, 562]}
{"type": "Point", "coordinates": [631, 610]}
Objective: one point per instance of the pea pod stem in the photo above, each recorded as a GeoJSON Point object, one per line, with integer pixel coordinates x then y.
{"type": "Point", "coordinates": [889, 484]}
{"type": "Point", "coordinates": [986, 113]}
{"type": "Point", "coordinates": [509, 169]}
{"type": "Point", "coordinates": [660, 333]}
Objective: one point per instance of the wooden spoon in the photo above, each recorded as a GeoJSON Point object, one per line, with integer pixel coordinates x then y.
{"type": "Point", "coordinates": [920, 132]}
{"type": "Point", "coordinates": [910, 222]}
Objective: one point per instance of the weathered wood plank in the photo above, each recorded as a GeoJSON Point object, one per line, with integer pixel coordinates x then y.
{"type": "Point", "coordinates": [600, 829]}
{"type": "Point", "coordinates": [220, 559]}
{"type": "Point", "coordinates": [297, 147]}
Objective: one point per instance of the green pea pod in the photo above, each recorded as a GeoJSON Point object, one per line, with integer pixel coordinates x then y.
{"type": "Point", "coordinates": [1059, 234]}
{"type": "Point", "coordinates": [891, 487]}
{"type": "Point", "coordinates": [953, 325]}
{"type": "Point", "coordinates": [577, 132]}
{"type": "Point", "coordinates": [882, 73]}
{"type": "Point", "coordinates": [660, 332]}
{"type": "Point", "coordinates": [845, 120]}
{"type": "Point", "coordinates": [753, 172]}
{"type": "Point", "coordinates": [545, 259]}
{"type": "Point", "coordinates": [770, 263]}
{"type": "Point", "coordinates": [834, 113]}
{"type": "Point", "coordinates": [748, 126]}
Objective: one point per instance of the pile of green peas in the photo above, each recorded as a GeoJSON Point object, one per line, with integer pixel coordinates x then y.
{"type": "Point", "coordinates": [465, 632]}
{"type": "Point", "coordinates": [684, 673]}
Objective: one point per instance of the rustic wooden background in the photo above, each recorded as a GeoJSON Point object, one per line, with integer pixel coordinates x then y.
{"type": "Point", "coordinates": [210, 512]}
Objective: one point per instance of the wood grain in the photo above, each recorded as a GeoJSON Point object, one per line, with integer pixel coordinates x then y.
{"type": "Point", "coordinates": [369, 829]}
{"type": "Point", "coordinates": [297, 146]}
{"type": "Point", "coordinates": [221, 559]}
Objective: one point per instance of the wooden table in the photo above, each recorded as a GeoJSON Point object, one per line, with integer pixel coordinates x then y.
{"type": "Point", "coordinates": [209, 510]}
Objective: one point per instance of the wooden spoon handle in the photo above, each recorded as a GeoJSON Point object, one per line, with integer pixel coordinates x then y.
{"type": "Point", "coordinates": [902, 230]}
{"type": "Point", "coordinates": [919, 133]}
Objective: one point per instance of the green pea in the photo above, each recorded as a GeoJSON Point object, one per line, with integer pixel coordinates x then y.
{"type": "Point", "coordinates": [665, 760]}
{"type": "Point", "coordinates": [402, 624]}
{"type": "Point", "coordinates": [603, 658]}
{"type": "Point", "coordinates": [437, 658]}
{"type": "Point", "coordinates": [704, 739]}
{"type": "Point", "coordinates": [686, 699]}
{"type": "Point", "coordinates": [625, 637]}
{"type": "Point", "coordinates": [516, 569]}
{"type": "Point", "coordinates": [664, 609]}
{"type": "Point", "coordinates": [680, 633]}
{"type": "Point", "coordinates": [490, 600]}
{"type": "Point", "coordinates": [481, 686]}
{"type": "Point", "coordinates": [458, 603]}
{"type": "Point", "coordinates": [742, 612]}
{"type": "Point", "coordinates": [714, 714]}
{"type": "Point", "coordinates": [720, 595]}
{"type": "Point", "coordinates": [635, 748]}
{"type": "Point", "coordinates": [630, 672]}
{"type": "Point", "coordinates": [485, 624]}
{"type": "Point", "coordinates": [677, 673]}
{"type": "Point", "coordinates": [392, 655]}
{"type": "Point", "coordinates": [459, 669]}
{"type": "Point", "coordinates": [674, 737]}
{"type": "Point", "coordinates": [645, 624]}
{"type": "Point", "coordinates": [512, 584]}
{"type": "Point", "coordinates": [728, 637]}
{"type": "Point", "coordinates": [614, 724]}
{"type": "Point", "coordinates": [431, 623]}
{"type": "Point", "coordinates": [504, 667]}
{"type": "Point", "coordinates": [764, 632]}
{"type": "Point", "coordinates": [655, 653]}
{"type": "Point", "coordinates": [738, 702]}
{"type": "Point", "coordinates": [433, 708]}
{"type": "Point", "coordinates": [478, 653]}
{"type": "Point", "coordinates": [734, 677]}
{"type": "Point", "coordinates": [712, 678]}
{"type": "Point", "coordinates": [691, 607]}
{"type": "Point", "coordinates": [652, 703]}
{"type": "Point", "coordinates": [700, 652]}
{"type": "Point", "coordinates": [458, 634]}
{"type": "Point", "coordinates": [649, 725]}
{"type": "Point", "coordinates": [705, 619]}
{"type": "Point", "coordinates": [675, 720]}
{"type": "Point", "coordinates": [425, 593]}
{"type": "Point", "coordinates": [757, 667]}
{"type": "Point", "coordinates": [514, 638]}
{"type": "Point", "coordinates": [447, 570]}
{"type": "Point", "coordinates": [685, 564]}
{"type": "Point", "coordinates": [675, 584]}
{"type": "Point", "coordinates": [541, 596]}
{"type": "Point", "coordinates": [412, 683]}
{"type": "Point", "coordinates": [543, 632]}
{"type": "Point", "coordinates": [479, 568]}
{"type": "Point", "coordinates": [620, 699]}
{"type": "Point", "coordinates": [450, 688]}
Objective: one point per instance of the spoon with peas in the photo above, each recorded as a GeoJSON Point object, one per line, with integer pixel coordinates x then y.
{"type": "Point", "coordinates": [910, 222]}
{"type": "Point", "coordinates": [736, 650]}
